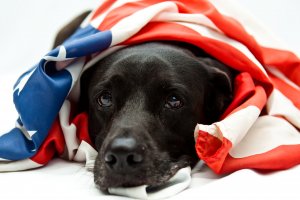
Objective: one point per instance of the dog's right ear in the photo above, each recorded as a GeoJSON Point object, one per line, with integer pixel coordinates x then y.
{"type": "Point", "coordinates": [69, 29]}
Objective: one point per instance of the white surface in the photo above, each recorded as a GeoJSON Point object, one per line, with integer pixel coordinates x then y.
{"type": "Point", "coordinates": [65, 180]}
{"type": "Point", "coordinates": [27, 31]}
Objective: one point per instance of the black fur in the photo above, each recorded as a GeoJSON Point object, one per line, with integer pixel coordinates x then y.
{"type": "Point", "coordinates": [143, 103]}
{"type": "Point", "coordinates": [140, 79]}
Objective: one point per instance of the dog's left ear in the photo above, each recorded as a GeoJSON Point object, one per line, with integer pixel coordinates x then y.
{"type": "Point", "coordinates": [69, 28]}
{"type": "Point", "coordinates": [219, 90]}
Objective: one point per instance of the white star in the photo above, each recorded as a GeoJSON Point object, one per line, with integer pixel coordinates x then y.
{"type": "Point", "coordinates": [27, 134]}
{"type": "Point", "coordinates": [60, 57]}
{"type": "Point", "coordinates": [23, 82]}
{"type": "Point", "coordinates": [31, 133]}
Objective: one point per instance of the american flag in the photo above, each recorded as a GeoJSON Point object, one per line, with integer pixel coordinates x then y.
{"type": "Point", "coordinates": [259, 129]}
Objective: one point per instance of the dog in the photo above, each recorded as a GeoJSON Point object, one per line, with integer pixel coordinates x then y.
{"type": "Point", "coordinates": [143, 103]}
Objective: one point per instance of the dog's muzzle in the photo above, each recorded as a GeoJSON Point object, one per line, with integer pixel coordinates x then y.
{"type": "Point", "coordinates": [123, 154]}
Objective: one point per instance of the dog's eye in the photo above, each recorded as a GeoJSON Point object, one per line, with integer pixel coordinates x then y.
{"type": "Point", "coordinates": [105, 99]}
{"type": "Point", "coordinates": [173, 102]}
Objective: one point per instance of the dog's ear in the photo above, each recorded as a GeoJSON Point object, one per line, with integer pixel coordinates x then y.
{"type": "Point", "coordinates": [219, 90]}
{"type": "Point", "coordinates": [69, 29]}
{"type": "Point", "coordinates": [84, 89]}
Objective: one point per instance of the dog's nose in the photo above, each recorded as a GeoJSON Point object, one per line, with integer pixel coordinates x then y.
{"type": "Point", "coordinates": [123, 154]}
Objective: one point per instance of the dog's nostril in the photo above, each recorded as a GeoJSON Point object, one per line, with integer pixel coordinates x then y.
{"type": "Point", "coordinates": [123, 154]}
{"type": "Point", "coordinates": [110, 158]}
{"type": "Point", "coordinates": [134, 159]}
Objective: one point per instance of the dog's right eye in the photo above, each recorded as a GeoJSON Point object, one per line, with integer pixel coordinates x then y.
{"type": "Point", "coordinates": [105, 99]}
{"type": "Point", "coordinates": [173, 102]}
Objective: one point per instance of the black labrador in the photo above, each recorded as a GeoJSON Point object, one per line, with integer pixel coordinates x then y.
{"type": "Point", "coordinates": [143, 103]}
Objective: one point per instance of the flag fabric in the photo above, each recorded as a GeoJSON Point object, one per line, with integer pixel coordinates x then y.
{"type": "Point", "coordinates": [259, 129]}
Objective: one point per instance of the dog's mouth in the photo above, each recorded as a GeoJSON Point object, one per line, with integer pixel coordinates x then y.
{"type": "Point", "coordinates": [154, 173]}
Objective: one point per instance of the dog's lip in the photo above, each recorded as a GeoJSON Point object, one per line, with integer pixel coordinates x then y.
{"type": "Point", "coordinates": [151, 182]}
{"type": "Point", "coordinates": [180, 180]}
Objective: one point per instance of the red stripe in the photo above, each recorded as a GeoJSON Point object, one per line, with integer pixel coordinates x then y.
{"type": "Point", "coordinates": [244, 88]}
{"type": "Point", "coordinates": [215, 154]}
{"type": "Point", "coordinates": [282, 157]}
{"type": "Point", "coordinates": [290, 92]}
{"type": "Point", "coordinates": [228, 25]}
{"type": "Point", "coordinates": [214, 151]}
{"type": "Point", "coordinates": [119, 13]}
{"type": "Point", "coordinates": [286, 62]}
{"type": "Point", "coordinates": [234, 30]}
{"type": "Point", "coordinates": [194, 6]}
{"type": "Point", "coordinates": [184, 6]}
{"type": "Point", "coordinates": [103, 8]}
{"type": "Point", "coordinates": [222, 51]}
{"type": "Point", "coordinates": [54, 143]}
{"type": "Point", "coordinates": [81, 123]}
{"type": "Point", "coordinates": [246, 94]}
{"type": "Point", "coordinates": [211, 150]}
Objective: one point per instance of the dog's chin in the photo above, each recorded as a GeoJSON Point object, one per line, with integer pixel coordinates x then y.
{"type": "Point", "coordinates": [156, 174]}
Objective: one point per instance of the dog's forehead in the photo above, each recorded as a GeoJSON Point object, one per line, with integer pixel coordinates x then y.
{"type": "Point", "coordinates": [159, 62]}
{"type": "Point", "coordinates": [140, 64]}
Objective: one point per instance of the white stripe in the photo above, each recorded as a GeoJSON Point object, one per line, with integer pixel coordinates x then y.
{"type": "Point", "coordinates": [282, 77]}
{"type": "Point", "coordinates": [234, 127]}
{"type": "Point", "coordinates": [69, 130]}
{"type": "Point", "coordinates": [99, 19]}
{"type": "Point", "coordinates": [130, 25]}
{"type": "Point", "coordinates": [221, 37]}
{"type": "Point", "coordinates": [103, 54]}
{"type": "Point", "coordinates": [75, 69]}
{"type": "Point", "coordinates": [86, 153]}
{"type": "Point", "coordinates": [267, 133]}
{"type": "Point", "coordinates": [199, 19]}
{"type": "Point", "coordinates": [252, 25]}
{"type": "Point", "coordinates": [18, 165]}
{"type": "Point", "coordinates": [280, 105]}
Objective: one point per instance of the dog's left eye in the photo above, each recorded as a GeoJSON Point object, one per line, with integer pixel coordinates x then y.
{"type": "Point", "coordinates": [173, 102]}
{"type": "Point", "coordinates": [105, 99]}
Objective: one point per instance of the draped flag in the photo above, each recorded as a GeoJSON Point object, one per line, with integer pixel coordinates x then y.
{"type": "Point", "coordinates": [259, 129]}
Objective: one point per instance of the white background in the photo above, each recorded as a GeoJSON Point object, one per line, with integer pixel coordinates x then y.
{"type": "Point", "coordinates": [32, 25]}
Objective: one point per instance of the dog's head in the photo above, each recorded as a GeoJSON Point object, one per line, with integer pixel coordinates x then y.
{"type": "Point", "coordinates": [143, 103]}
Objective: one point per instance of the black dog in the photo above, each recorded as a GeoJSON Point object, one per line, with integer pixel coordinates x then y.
{"type": "Point", "coordinates": [143, 103]}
